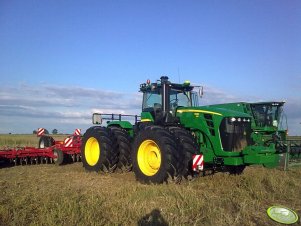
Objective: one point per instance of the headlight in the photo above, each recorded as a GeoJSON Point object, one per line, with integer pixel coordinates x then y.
{"type": "Point", "coordinates": [234, 119]}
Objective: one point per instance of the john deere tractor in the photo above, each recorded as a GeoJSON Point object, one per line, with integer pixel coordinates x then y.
{"type": "Point", "coordinates": [173, 138]}
{"type": "Point", "coordinates": [266, 124]}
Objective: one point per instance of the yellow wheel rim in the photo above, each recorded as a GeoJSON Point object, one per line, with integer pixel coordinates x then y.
{"type": "Point", "coordinates": [149, 157]}
{"type": "Point", "coordinates": [92, 151]}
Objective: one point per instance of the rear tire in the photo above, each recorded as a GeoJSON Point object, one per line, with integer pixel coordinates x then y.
{"type": "Point", "coordinates": [155, 156]}
{"type": "Point", "coordinates": [124, 149]}
{"type": "Point", "coordinates": [99, 150]}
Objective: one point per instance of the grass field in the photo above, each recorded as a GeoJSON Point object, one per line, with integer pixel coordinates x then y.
{"type": "Point", "coordinates": [68, 195]}
{"type": "Point", "coordinates": [15, 140]}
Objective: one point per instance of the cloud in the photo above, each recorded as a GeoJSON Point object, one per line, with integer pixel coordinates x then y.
{"type": "Point", "coordinates": [60, 105]}
{"type": "Point", "coordinates": [213, 95]}
{"type": "Point", "coordinates": [67, 108]}
{"type": "Point", "coordinates": [67, 97]}
{"type": "Point", "coordinates": [292, 111]}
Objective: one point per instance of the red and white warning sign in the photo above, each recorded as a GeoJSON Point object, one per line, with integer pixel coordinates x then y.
{"type": "Point", "coordinates": [197, 162]}
{"type": "Point", "coordinates": [77, 132]}
{"type": "Point", "coordinates": [68, 142]}
{"type": "Point", "coordinates": [40, 132]}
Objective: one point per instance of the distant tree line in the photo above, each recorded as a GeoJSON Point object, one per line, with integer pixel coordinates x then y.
{"type": "Point", "coordinates": [54, 131]}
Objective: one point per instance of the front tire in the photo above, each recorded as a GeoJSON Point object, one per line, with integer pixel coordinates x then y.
{"type": "Point", "coordinates": [99, 150]}
{"type": "Point", "coordinates": [188, 146]}
{"type": "Point", "coordinates": [236, 170]}
{"type": "Point", "coordinates": [155, 156]}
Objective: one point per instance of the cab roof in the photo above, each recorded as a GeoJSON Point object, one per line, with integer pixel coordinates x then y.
{"type": "Point", "coordinates": [144, 87]}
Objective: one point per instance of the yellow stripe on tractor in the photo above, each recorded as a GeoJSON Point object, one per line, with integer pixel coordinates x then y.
{"type": "Point", "coordinates": [146, 120]}
{"type": "Point", "coordinates": [199, 111]}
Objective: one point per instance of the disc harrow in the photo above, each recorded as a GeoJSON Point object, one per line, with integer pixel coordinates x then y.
{"type": "Point", "coordinates": [48, 152]}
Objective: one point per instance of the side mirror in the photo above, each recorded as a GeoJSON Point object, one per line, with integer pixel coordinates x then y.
{"type": "Point", "coordinates": [201, 91]}
{"type": "Point", "coordinates": [96, 118]}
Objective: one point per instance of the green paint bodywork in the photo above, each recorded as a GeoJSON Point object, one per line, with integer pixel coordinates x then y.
{"type": "Point", "coordinates": [194, 120]}
{"type": "Point", "coordinates": [146, 117]}
{"type": "Point", "coordinates": [261, 135]}
{"type": "Point", "coordinates": [123, 124]}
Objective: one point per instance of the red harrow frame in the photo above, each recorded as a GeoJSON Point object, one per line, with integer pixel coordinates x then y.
{"type": "Point", "coordinates": [49, 151]}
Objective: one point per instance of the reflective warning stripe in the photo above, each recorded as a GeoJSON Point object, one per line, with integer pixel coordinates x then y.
{"type": "Point", "coordinates": [68, 142]}
{"type": "Point", "coordinates": [77, 132]}
{"type": "Point", "coordinates": [40, 131]}
{"type": "Point", "coordinates": [197, 162]}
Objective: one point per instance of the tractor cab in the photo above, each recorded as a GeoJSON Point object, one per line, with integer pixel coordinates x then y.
{"type": "Point", "coordinates": [162, 99]}
{"type": "Point", "coordinates": [267, 114]}
{"type": "Point", "coordinates": [267, 124]}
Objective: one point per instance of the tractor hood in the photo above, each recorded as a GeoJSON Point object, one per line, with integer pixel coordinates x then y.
{"type": "Point", "coordinates": [213, 111]}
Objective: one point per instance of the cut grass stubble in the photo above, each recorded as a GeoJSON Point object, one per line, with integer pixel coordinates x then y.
{"type": "Point", "coordinates": [68, 195]}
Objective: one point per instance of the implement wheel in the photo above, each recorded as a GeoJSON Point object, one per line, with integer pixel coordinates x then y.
{"type": "Point", "coordinates": [46, 141]}
{"type": "Point", "coordinates": [155, 156]}
{"type": "Point", "coordinates": [124, 148]}
{"type": "Point", "coordinates": [58, 157]}
{"type": "Point", "coordinates": [99, 150]}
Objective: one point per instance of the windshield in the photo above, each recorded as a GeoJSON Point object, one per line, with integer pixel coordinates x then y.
{"type": "Point", "coordinates": [178, 98]}
{"type": "Point", "coordinates": [266, 114]}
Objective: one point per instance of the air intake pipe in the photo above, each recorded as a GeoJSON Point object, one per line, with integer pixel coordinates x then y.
{"type": "Point", "coordinates": [165, 91]}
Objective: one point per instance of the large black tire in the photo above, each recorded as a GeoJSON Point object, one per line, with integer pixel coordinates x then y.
{"type": "Point", "coordinates": [188, 146]}
{"type": "Point", "coordinates": [43, 142]}
{"type": "Point", "coordinates": [124, 148]}
{"type": "Point", "coordinates": [155, 156]}
{"type": "Point", "coordinates": [59, 159]}
{"type": "Point", "coordinates": [99, 150]}
{"type": "Point", "coordinates": [143, 125]}
{"type": "Point", "coordinates": [46, 141]}
{"type": "Point", "coordinates": [236, 170]}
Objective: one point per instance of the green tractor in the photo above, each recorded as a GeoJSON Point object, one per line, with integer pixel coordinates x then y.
{"type": "Point", "coordinates": [174, 137]}
{"type": "Point", "coordinates": [267, 128]}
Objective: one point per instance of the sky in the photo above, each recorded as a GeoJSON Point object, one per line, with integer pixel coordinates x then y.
{"type": "Point", "coordinates": [60, 61]}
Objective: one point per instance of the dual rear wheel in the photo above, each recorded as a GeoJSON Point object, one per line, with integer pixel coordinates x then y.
{"type": "Point", "coordinates": [99, 150]}
{"type": "Point", "coordinates": [105, 149]}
